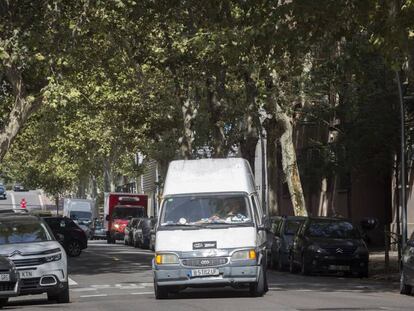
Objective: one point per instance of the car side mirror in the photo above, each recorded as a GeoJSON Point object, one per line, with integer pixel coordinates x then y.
{"type": "Point", "coordinates": [369, 223]}
{"type": "Point", "coordinates": [410, 243]}
{"type": "Point", "coordinates": [107, 217]}
{"type": "Point", "coordinates": [60, 237]}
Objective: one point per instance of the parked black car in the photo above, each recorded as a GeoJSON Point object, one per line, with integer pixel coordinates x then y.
{"type": "Point", "coordinates": [129, 231]}
{"type": "Point", "coordinates": [407, 268]}
{"type": "Point", "coordinates": [146, 224]}
{"type": "Point", "coordinates": [9, 280]}
{"type": "Point", "coordinates": [153, 234]}
{"type": "Point", "coordinates": [3, 193]}
{"type": "Point", "coordinates": [329, 245]}
{"type": "Point", "coordinates": [283, 235]}
{"type": "Point", "coordinates": [69, 234]}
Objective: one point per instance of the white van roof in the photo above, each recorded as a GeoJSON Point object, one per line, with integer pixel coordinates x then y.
{"type": "Point", "coordinates": [208, 176]}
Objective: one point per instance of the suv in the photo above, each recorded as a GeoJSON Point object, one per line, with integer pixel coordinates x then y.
{"type": "Point", "coordinates": [3, 193]}
{"type": "Point", "coordinates": [407, 268]}
{"type": "Point", "coordinates": [40, 260]}
{"type": "Point", "coordinates": [69, 234]}
{"type": "Point", "coordinates": [9, 280]}
{"type": "Point", "coordinates": [329, 245]}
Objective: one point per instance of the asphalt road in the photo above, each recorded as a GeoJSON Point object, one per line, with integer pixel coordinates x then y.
{"type": "Point", "coordinates": [117, 277]}
{"type": "Point", "coordinates": [34, 199]}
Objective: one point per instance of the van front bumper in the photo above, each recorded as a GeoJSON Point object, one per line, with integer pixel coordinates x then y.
{"type": "Point", "coordinates": [228, 276]}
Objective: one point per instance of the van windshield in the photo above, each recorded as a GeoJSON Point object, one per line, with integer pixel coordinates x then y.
{"type": "Point", "coordinates": [206, 209]}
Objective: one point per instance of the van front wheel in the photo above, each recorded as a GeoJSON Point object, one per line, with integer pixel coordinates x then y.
{"type": "Point", "coordinates": [161, 292]}
{"type": "Point", "coordinates": [258, 289]}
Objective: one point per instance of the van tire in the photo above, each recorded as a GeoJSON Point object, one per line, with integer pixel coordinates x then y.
{"type": "Point", "coordinates": [258, 289]}
{"type": "Point", "coordinates": [161, 292]}
{"type": "Point", "coordinates": [305, 270]}
{"type": "Point", "coordinates": [3, 302]}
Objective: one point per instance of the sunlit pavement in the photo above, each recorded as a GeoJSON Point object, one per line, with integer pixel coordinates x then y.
{"type": "Point", "coordinates": [118, 277]}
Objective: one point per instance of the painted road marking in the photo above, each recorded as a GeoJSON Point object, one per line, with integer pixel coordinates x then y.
{"type": "Point", "coordinates": [98, 295]}
{"type": "Point", "coordinates": [72, 282]}
{"type": "Point", "coordinates": [85, 289]}
{"type": "Point", "coordinates": [13, 199]}
{"type": "Point", "coordinates": [142, 293]}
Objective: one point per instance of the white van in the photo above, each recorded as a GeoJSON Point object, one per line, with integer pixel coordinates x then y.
{"type": "Point", "coordinates": [211, 228]}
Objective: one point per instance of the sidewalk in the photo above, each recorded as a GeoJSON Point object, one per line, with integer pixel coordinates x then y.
{"type": "Point", "coordinates": [377, 269]}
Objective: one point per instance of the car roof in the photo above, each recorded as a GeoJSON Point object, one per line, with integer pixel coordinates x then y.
{"type": "Point", "coordinates": [19, 217]}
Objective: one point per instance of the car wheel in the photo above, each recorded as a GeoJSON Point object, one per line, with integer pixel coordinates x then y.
{"type": "Point", "coordinates": [61, 297]}
{"type": "Point", "coordinates": [74, 248]}
{"type": "Point", "coordinates": [161, 292]}
{"type": "Point", "coordinates": [363, 273]}
{"type": "Point", "coordinates": [405, 289]}
{"type": "Point", "coordinates": [258, 289]}
{"type": "Point", "coordinates": [305, 269]}
{"type": "Point", "coordinates": [3, 302]}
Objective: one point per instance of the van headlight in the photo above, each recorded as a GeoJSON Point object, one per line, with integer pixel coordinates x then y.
{"type": "Point", "coordinates": [247, 254]}
{"type": "Point", "coordinates": [166, 259]}
{"type": "Point", "coordinates": [56, 257]}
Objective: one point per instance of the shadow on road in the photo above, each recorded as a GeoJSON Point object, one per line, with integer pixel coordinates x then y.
{"type": "Point", "coordinates": [101, 258]}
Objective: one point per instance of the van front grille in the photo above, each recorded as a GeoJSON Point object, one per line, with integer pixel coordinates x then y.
{"type": "Point", "coordinates": [204, 262]}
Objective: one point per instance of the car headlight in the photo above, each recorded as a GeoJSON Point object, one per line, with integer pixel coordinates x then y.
{"type": "Point", "coordinates": [53, 257]}
{"type": "Point", "coordinates": [116, 226]}
{"type": "Point", "coordinates": [316, 249]}
{"type": "Point", "coordinates": [166, 259]}
{"type": "Point", "coordinates": [247, 254]}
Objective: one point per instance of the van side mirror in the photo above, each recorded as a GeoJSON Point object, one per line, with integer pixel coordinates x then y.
{"type": "Point", "coordinates": [107, 217]}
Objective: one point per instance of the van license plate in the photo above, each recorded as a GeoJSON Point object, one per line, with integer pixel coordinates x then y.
{"type": "Point", "coordinates": [204, 272]}
{"type": "Point", "coordinates": [339, 268]}
{"type": "Point", "coordinates": [25, 274]}
{"type": "Point", "coordinates": [4, 277]}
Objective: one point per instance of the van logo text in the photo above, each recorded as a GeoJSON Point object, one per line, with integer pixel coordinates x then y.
{"type": "Point", "coordinates": [203, 245]}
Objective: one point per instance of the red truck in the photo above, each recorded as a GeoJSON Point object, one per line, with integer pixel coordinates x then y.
{"type": "Point", "coordinates": [119, 208]}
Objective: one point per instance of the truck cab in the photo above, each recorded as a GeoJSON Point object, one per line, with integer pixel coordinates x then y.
{"type": "Point", "coordinates": [119, 208]}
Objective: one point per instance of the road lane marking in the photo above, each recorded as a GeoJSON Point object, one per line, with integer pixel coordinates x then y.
{"type": "Point", "coordinates": [72, 282]}
{"type": "Point", "coordinates": [13, 199]}
{"type": "Point", "coordinates": [85, 289]}
{"type": "Point", "coordinates": [142, 293]}
{"type": "Point", "coordinates": [89, 296]}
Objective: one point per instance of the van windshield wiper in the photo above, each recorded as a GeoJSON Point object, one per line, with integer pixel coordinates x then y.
{"type": "Point", "coordinates": [181, 225]}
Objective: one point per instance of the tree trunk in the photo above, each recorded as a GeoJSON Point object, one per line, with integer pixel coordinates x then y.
{"type": "Point", "coordinates": [289, 163]}
{"type": "Point", "coordinates": [23, 107]}
{"type": "Point", "coordinates": [186, 141]}
{"type": "Point", "coordinates": [108, 178]}
{"type": "Point", "coordinates": [323, 202]}
{"type": "Point", "coordinates": [272, 167]}
{"type": "Point", "coordinates": [215, 94]}
{"type": "Point", "coordinates": [251, 120]}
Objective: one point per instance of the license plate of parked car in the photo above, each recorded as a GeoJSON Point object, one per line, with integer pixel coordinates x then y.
{"type": "Point", "coordinates": [339, 268]}
{"type": "Point", "coordinates": [4, 277]}
{"type": "Point", "coordinates": [25, 274]}
{"type": "Point", "coordinates": [204, 272]}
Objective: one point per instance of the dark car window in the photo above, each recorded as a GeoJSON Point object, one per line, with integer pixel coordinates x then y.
{"type": "Point", "coordinates": [332, 229]}
{"type": "Point", "coordinates": [292, 226]}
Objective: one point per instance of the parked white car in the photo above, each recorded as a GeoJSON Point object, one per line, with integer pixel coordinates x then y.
{"type": "Point", "coordinates": [40, 260]}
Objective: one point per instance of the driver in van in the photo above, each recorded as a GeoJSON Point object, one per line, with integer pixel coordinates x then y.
{"type": "Point", "coordinates": [230, 210]}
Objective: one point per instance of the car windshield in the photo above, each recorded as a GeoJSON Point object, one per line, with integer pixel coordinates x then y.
{"type": "Point", "coordinates": [292, 226]}
{"type": "Point", "coordinates": [207, 209]}
{"type": "Point", "coordinates": [121, 212]}
{"type": "Point", "coordinates": [12, 232]}
{"type": "Point", "coordinates": [332, 229]}
{"type": "Point", "coordinates": [80, 215]}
